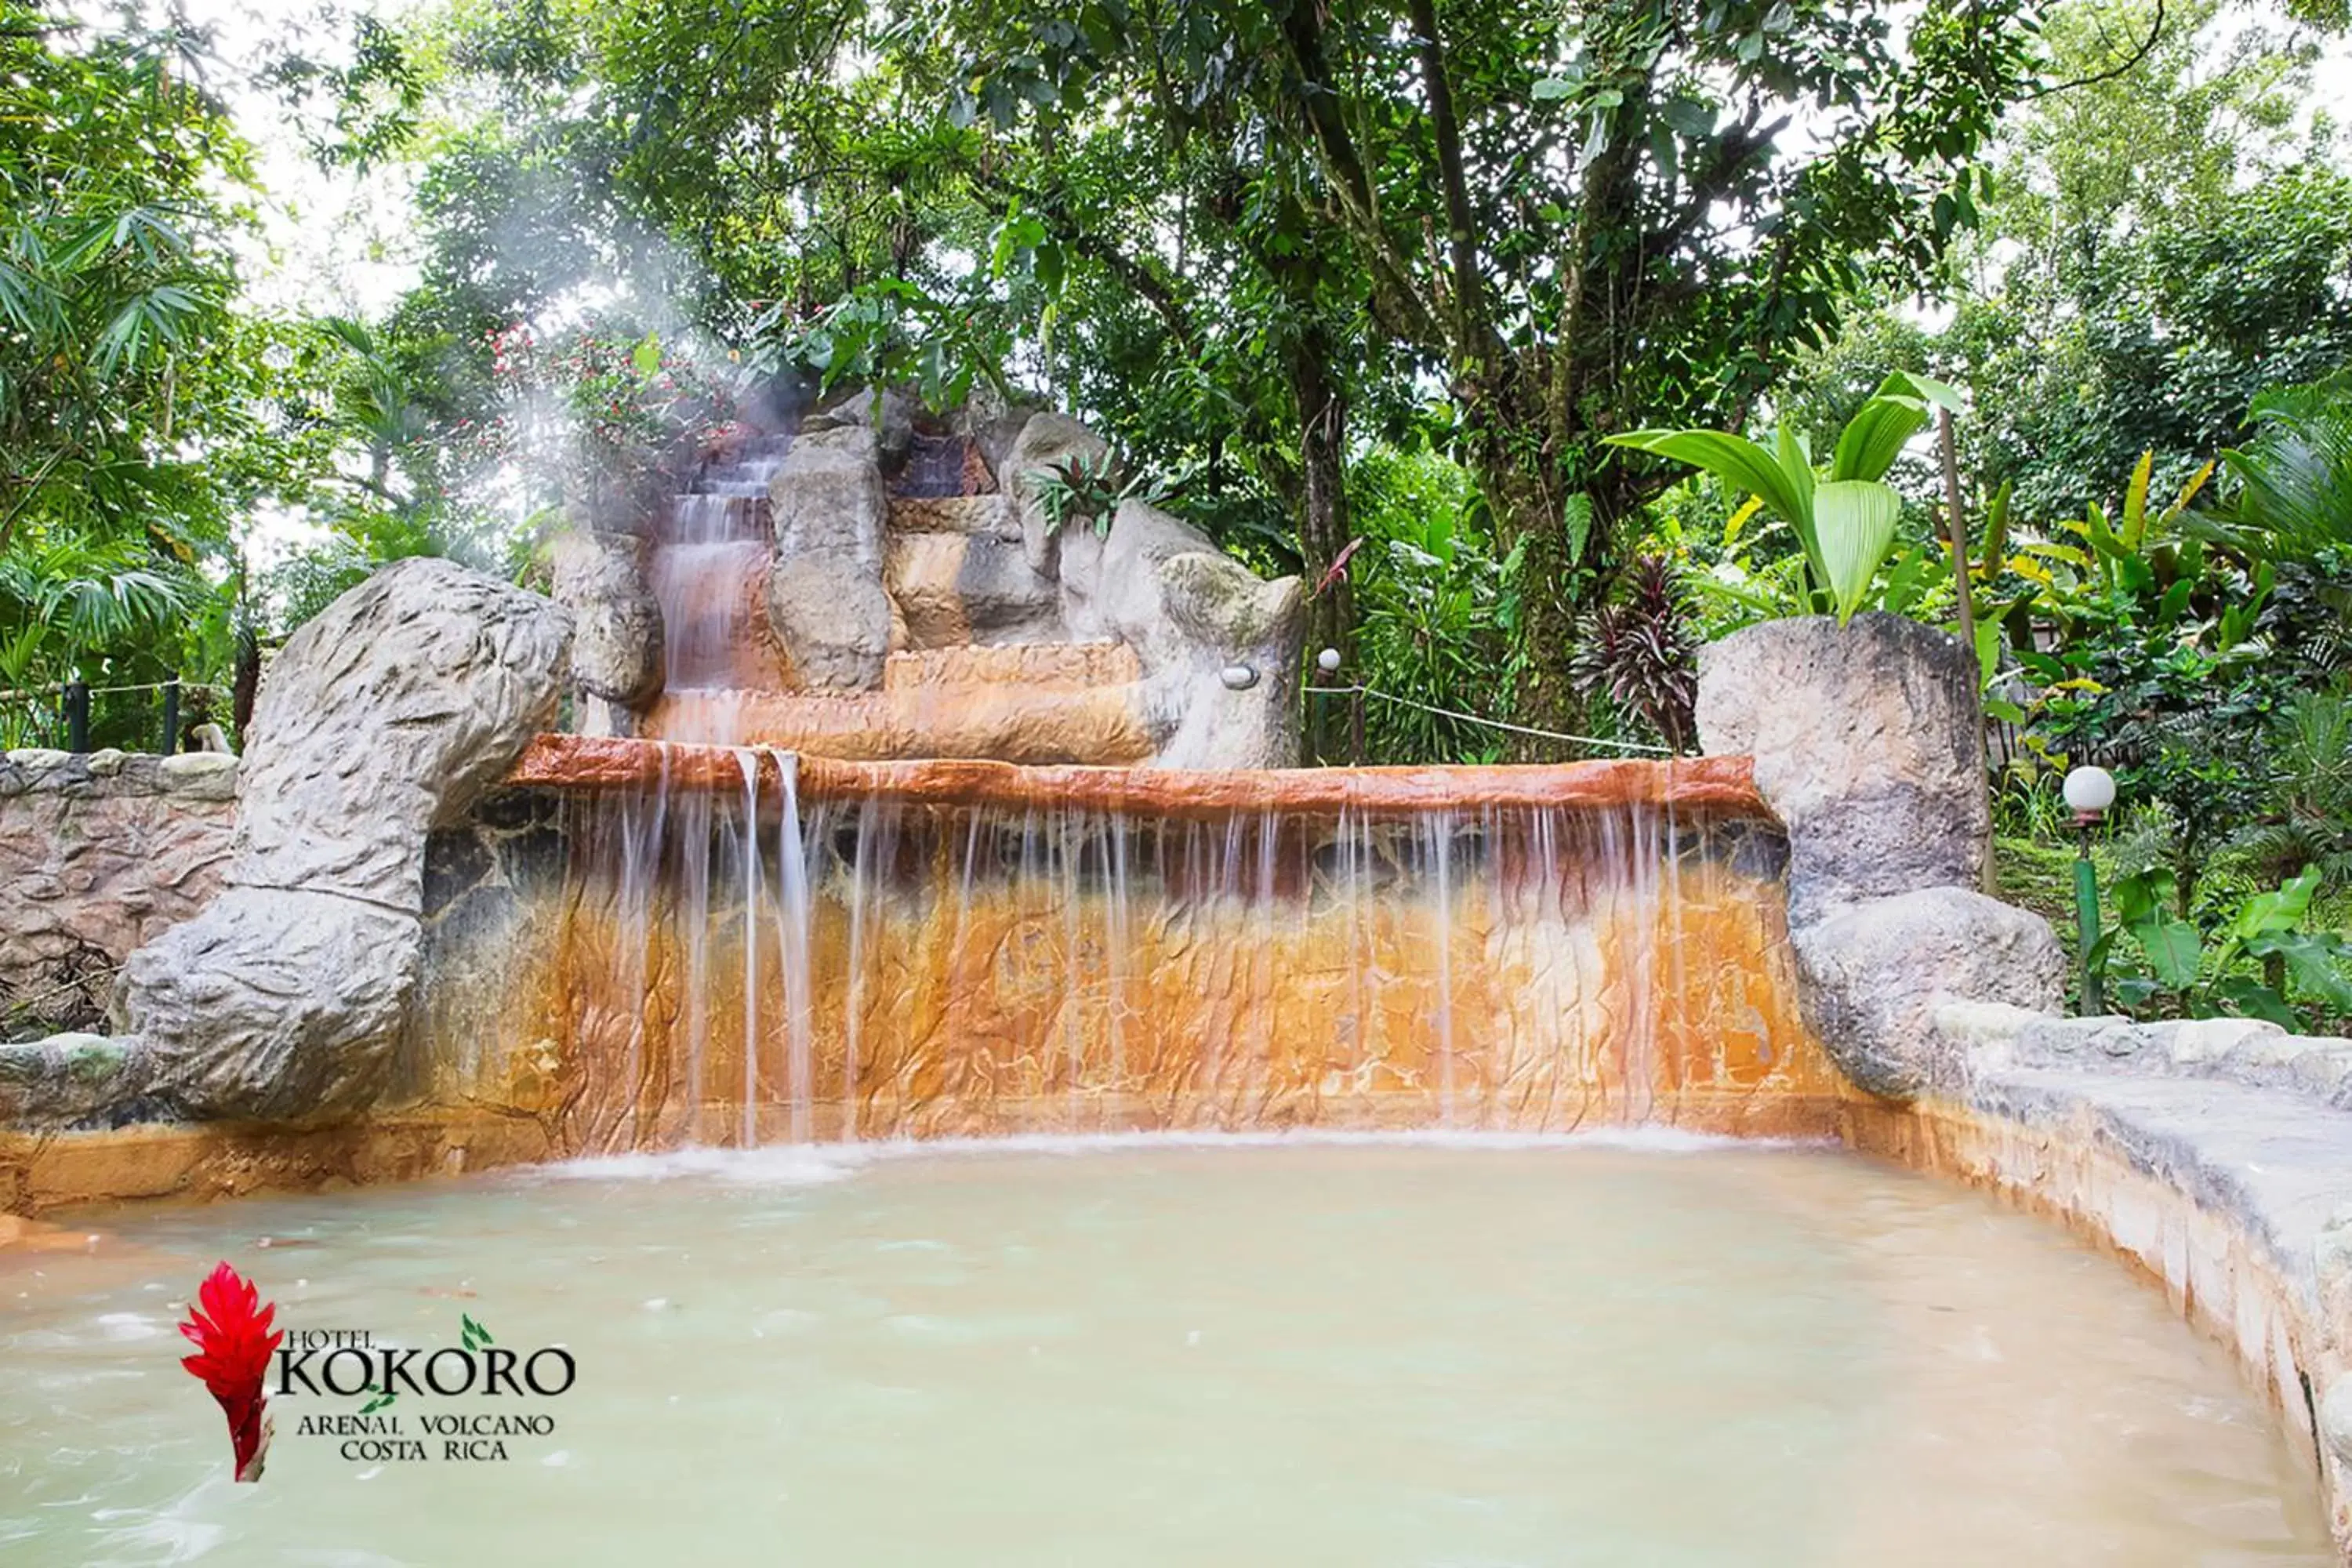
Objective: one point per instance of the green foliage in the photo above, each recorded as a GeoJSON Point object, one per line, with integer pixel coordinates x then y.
{"type": "Point", "coordinates": [2305, 823]}
{"type": "Point", "coordinates": [2163, 244]}
{"type": "Point", "coordinates": [1438, 608]}
{"type": "Point", "coordinates": [1083, 488]}
{"type": "Point", "coordinates": [1845, 525]}
{"type": "Point", "coordinates": [2204, 974]}
{"type": "Point", "coordinates": [2295, 476]}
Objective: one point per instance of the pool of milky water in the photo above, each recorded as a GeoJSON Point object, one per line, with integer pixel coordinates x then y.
{"type": "Point", "coordinates": [1635, 1351]}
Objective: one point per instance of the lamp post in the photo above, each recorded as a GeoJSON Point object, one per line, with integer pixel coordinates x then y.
{"type": "Point", "coordinates": [2089, 793]}
{"type": "Point", "coordinates": [1326, 666]}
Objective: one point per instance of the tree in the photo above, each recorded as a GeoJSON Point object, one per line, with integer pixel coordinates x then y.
{"type": "Point", "coordinates": [114, 279]}
{"type": "Point", "coordinates": [1584, 222]}
{"type": "Point", "coordinates": [2165, 241]}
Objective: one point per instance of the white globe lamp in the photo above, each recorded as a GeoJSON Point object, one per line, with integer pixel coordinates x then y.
{"type": "Point", "coordinates": [2089, 793]}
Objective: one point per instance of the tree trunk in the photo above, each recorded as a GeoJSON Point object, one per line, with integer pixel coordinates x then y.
{"type": "Point", "coordinates": [1529, 515]}
{"type": "Point", "coordinates": [1323, 522]}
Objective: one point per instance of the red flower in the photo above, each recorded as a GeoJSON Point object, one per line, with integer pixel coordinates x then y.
{"type": "Point", "coordinates": [230, 1327]}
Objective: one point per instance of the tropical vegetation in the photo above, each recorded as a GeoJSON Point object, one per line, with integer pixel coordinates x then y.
{"type": "Point", "coordinates": [1547, 343]}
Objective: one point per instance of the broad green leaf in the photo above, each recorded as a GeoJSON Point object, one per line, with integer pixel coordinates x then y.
{"type": "Point", "coordinates": [2138, 897]}
{"type": "Point", "coordinates": [2094, 527]}
{"type": "Point", "coordinates": [1856, 520]}
{"type": "Point", "coordinates": [2317, 962]}
{"type": "Point", "coordinates": [2172, 948]}
{"type": "Point", "coordinates": [1738, 519]}
{"type": "Point", "coordinates": [2280, 911]}
{"type": "Point", "coordinates": [1996, 529]}
{"type": "Point", "coordinates": [1734, 459]}
{"type": "Point", "coordinates": [1796, 466]}
{"type": "Point", "coordinates": [2189, 491]}
{"type": "Point", "coordinates": [2252, 999]}
{"type": "Point", "coordinates": [2175, 601]}
{"type": "Point", "coordinates": [1876, 436]}
{"type": "Point", "coordinates": [1988, 635]}
{"type": "Point", "coordinates": [2135, 517]}
{"type": "Point", "coordinates": [646, 359]}
{"type": "Point", "coordinates": [1926, 388]}
{"type": "Point", "coordinates": [2006, 713]}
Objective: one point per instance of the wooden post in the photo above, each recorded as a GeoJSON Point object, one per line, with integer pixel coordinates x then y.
{"type": "Point", "coordinates": [171, 716]}
{"type": "Point", "coordinates": [76, 716]}
{"type": "Point", "coordinates": [1956, 530]}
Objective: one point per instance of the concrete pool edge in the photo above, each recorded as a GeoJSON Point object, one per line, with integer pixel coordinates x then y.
{"type": "Point", "coordinates": [2229, 1198]}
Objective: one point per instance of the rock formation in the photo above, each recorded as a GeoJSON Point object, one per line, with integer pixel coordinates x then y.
{"type": "Point", "coordinates": [909, 565]}
{"type": "Point", "coordinates": [386, 716]}
{"type": "Point", "coordinates": [1866, 745]}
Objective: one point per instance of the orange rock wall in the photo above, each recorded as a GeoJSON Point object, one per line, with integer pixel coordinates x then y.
{"type": "Point", "coordinates": [980, 971]}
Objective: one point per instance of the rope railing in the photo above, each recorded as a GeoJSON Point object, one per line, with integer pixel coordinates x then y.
{"type": "Point", "coordinates": [1361, 690]}
{"type": "Point", "coordinates": [59, 688]}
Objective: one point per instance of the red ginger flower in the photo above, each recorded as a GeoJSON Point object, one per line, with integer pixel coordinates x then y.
{"type": "Point", "coordinates": [230, 1327]}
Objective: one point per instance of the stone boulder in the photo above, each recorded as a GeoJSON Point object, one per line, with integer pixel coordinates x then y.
{"type": "Point", "coordinates": [616, 640]}
{"type": "Point", "coordinates": [384, 717]}
{"type": "Point", "coordinates": [834, 618]}
{"type": "Point", "coordinates": [827, 602]}
{"type": "Point", "coordinates": [1191, 612]}
{"type": "Point", "coordinates": [1866, 745]}
{"type": "Point", "coordinates": [1873, 975]}
{"type": "Point", "coordinates": [273, 1004]}
{"type": "Point", "coordinates": [388, 715]}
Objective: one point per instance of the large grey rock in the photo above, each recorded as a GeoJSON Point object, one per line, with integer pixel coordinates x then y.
{"type": "Point", "coordinates": [1191, 612]}
{"type": "Point", "coordinates": [385, 717]}
{"type": "Point", "coordinates": [888, 414]}
{"type": "Point", "coordinates": [1046, 440]}
{"type": "Point", "coordinates": [616, 640]}
{"type": "Point", "coordinates": [69, 1078]}
{"type": "Point", "coordinates": [1874, 976]}
{"type": "Point", "coordinates": [1866, 746]}
{"type": "Point", "coordinates": [273, 1004]}
{"type": "Point", "coordinates": [825, 597]}
{"type": "Point", "coordinates": [833, 616]}
{"type": "Point", "coordinates": [827, 495]}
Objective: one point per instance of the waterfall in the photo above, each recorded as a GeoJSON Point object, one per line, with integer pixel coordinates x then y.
{"type": "Point", "coordinates": [752, 949]}
{"type": "Point", "coordinates": [707, 571]}
{"type": "Point", "coordinates": [963, 968]}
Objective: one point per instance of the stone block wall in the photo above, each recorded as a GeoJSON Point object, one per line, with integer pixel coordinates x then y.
{"type": "Point", "coordinates": [100, 853]}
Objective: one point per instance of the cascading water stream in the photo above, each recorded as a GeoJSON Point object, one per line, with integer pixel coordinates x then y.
{"type": "Point", "coordinates": [1050, 964]}
{"type": "Point", "coordinates": [944, 968]}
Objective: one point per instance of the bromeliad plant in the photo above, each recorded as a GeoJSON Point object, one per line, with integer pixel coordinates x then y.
{"type": "Point", "coordinates": [1091, 487]}
{"type": "Point", "coordinates": [1844, 523]}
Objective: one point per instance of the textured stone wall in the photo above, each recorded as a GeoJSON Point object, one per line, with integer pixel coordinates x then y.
{"type": "Point", "coordinates": [99, 853]}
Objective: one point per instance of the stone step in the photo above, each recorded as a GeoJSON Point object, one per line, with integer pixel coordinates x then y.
{"type": "Point", "coordinates": [1098, 724]}
{"type": "Point", "coordinates": [975, 517]}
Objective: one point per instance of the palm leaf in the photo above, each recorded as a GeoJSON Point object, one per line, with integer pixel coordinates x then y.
{"type": "Point", "coordinates": [1876, 436]}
